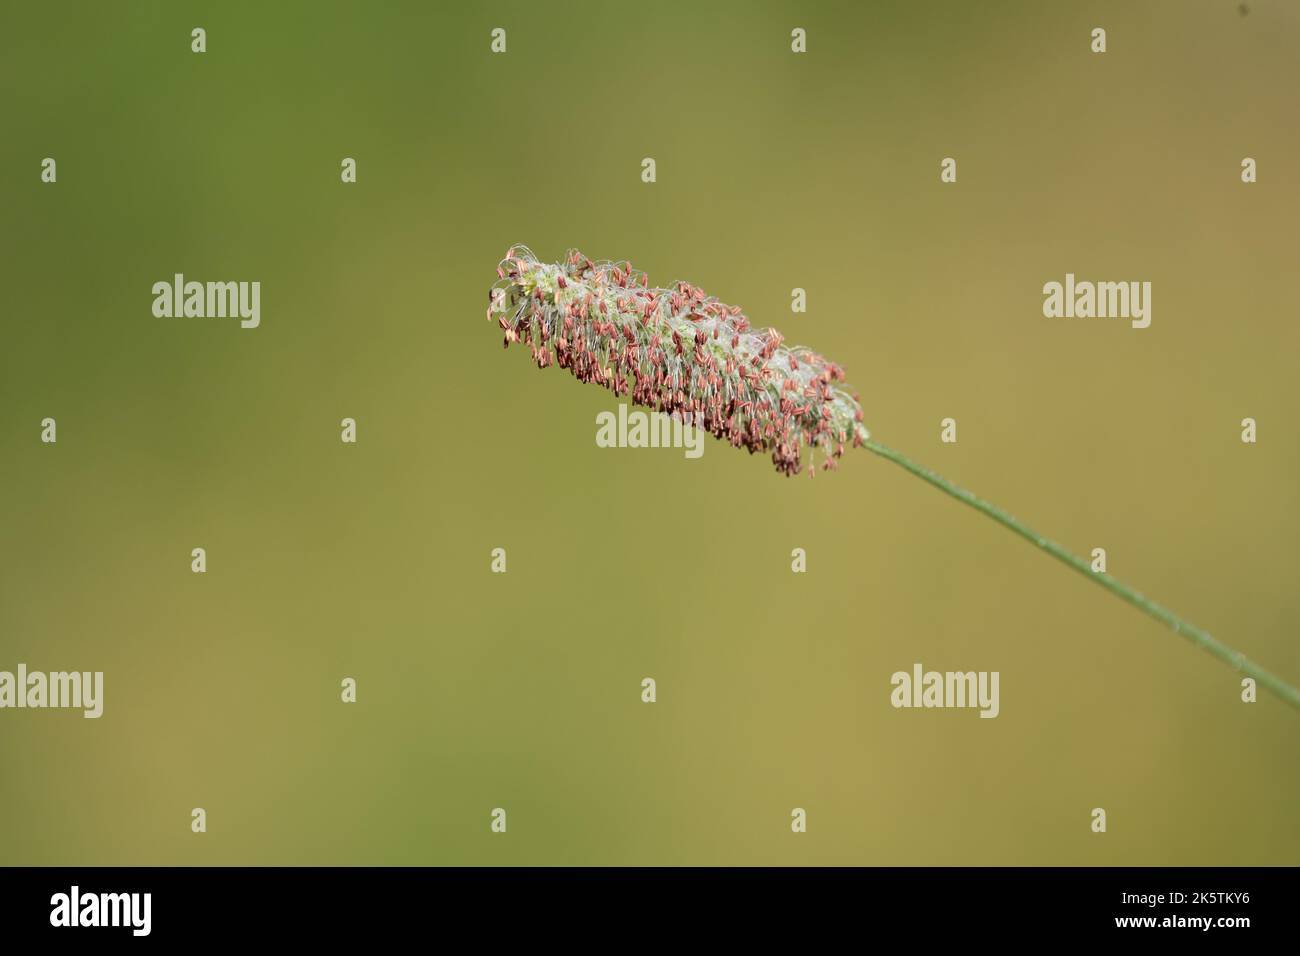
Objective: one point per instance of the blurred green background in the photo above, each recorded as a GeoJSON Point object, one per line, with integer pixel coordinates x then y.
{"type": "Point", "coordinates": [522, 690]}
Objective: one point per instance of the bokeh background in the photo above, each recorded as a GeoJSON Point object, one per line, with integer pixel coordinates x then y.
{"type": "Point", "coordinates": [522, 690]}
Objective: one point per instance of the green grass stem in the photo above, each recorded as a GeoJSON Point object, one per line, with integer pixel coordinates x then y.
{"type": "Point", "coordinates": [1196, 635]}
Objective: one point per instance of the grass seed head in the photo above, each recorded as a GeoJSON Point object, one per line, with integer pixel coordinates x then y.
{"type": "Point", "coordinates": [679, 351]}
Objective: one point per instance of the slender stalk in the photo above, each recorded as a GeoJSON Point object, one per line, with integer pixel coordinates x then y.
{"type": "Point", "coordinates": [1142, 603]}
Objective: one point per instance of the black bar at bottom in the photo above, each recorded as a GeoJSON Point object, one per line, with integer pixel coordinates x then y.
{"type": "Point", "coordinates": [672, 906]}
